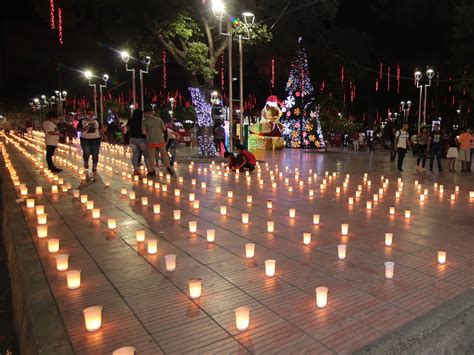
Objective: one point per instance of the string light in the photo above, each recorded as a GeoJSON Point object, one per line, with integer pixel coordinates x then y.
{"type": "Point", "coordinates": [273, 73]}
{"type": "Point", "coordinates": [51, 12]}
{"type": "Point", "coordinates": [163, 57]}
{"type": "Point", "coordinates": [60, 26]}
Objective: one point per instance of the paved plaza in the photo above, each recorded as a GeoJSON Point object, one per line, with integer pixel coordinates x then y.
{"type": "Point", "coordinates": [149, 308]}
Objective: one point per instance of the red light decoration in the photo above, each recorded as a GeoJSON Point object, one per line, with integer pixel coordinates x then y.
{"type": "Point", "coordinates": [222, 73]}
{"type": "Point", "coordinates": [398, 78]}
{"type": "Point", "coordinates": [273, 73]}
{"type": "Point", "coordinates": [51, 13]}
{"type": "Point", "coordinates": [60, 26]}
{"type": "Point", "coordinates": [381, 71]}
{"type": "Point", "coordinates": [163, 57]}
{"type": "Point", "coordinates": [437, 78]}
{"type": "Point", "coordinates": [342, 73]}
{"type": "Point", "coordinates": [449, 87]}
{"type": "Point", "coordinates": [388, 78]}
{"type": "Point", "coordinates": [376, 85]}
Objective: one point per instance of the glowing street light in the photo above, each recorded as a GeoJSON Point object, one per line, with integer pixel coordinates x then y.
{"type": "Point", "coordinates": [418, 75]}
{"type": "Point", "coordinates": [405, 106]}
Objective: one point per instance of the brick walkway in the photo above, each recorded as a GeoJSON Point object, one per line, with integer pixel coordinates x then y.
{"type": "Point", "coordinates": [149, 308]}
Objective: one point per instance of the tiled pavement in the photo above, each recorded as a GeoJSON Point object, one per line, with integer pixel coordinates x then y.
{"type": "Point", "coordinates": [149, 308]}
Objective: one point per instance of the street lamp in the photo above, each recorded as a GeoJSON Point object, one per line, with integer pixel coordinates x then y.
{"type": "Point", "coordinates": [62, 97]}
{"type": "Point", "coordinates": [172, 104]}
{"type": "Point", "coordinates": [146, 61]}
{"type": "Point", "coordinates": [105, 78]}
{"type": "Point", "coordinates": [126, 57]}
{"type": "Point", "coordinates": [405, 106]}
{"type": "Point", "coordinates": [88, 75]}
{"type": "Point", "coordinates": [418, 75]}
{"type": "Point", "coordinates": [430, 75]}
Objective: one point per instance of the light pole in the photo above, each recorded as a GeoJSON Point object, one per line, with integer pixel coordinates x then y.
{"type": "Point", "coordinates": [62, 97]}
{"type": "Point", "coordinates": [417, 80]}
{"type": "Point", "coordinates": [172, 104]}
{"type": "Point", "coordinates": [126, 57]}
{"type": "Point", "coordinates": [146, 61]}
{"type": "Point", "coordinates": [405, 106]}
{"type": "Point", "coordinates": [105, 78]}
{"type": "Point", "coordinates": [88, 76]}
{"type": "Point", "coordinates": [418, 75]}
{"type": "Point", "coordinates": [430, 75]}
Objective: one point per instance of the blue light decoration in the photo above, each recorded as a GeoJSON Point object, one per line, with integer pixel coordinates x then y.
{"type": "Point", "coordinates": [301, 125]}
{"type": "Point", "coordinates": [204, 123]}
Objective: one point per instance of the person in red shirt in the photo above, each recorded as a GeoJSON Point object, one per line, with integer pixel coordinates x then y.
{"type": "Point", "coordinates": [245, 159]}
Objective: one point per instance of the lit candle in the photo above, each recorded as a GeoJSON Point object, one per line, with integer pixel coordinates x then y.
{"type": "Point", "coordinates": [369, 205]}
{"type": "Point", "coordinates": [96, 213]}
{"type": "Point", "coordinates": [407, 213]}
{"type": "Point", "coordinates": [177, 192]}
{"type": "Point", "coordinates": [471, 194]}
{"type": "Point", "coordinates": [274, 185]}
{"type": "Point", "coordinates": [422, 198]}
{"type": "Point", "coordinates": [39, 190]}
{"type": "Point", "coordinates": [42, 231]}
{"type": "Point", "coordinates": [53, 245]}
{"type": "Point", "coordinates": [73, 279]}
{"type": "Point", "coordinates": [249, 250]}
{"type": "Point", "coordinates": [351, 200]}
{"type": "Point", "coordinates": [270, 266]}
{"type": "Point", "coordinates": [311, 192]}
{"type": "Point", "coordinates": [249, 198]}
{"type": "Point", "coordinates": [42, 218]}
{"type": "Point", "coordinates": [211, 235]}
{"type": "Point", "coordinates": [245, 218]}
{"type": "Point", "coordinates": [376, 197]}
{"type": "Point", "coordinates": [195, 288]}
{"type": "Point", "coordinates": [90, 205]}
{"type": "Point", "coordinates": [344, 228]}
{"type": "Point", "coordinates": [192, 196]}
{"type": "Point", "coordinates": [39, 209]}
{"type": "Point", "coordinates": [123, 191]}
{"type": "Point", "coordinates": [389, 269]}
{"type": "Point", "coordinates": [84, 199]}
{"type": "Point", "coordinates": [306, 238]}
{"type": "Point", "coordinates": [112, 223]}
{"type": "Point", "coordinates": [93, 318]}
{"type": "Point", "coordinates": [242, 318]}
{"type": "Point", "coordinates": [218, 189]}
{"type": "Point", "coordinates": [270, 226]}
{"type": "Point", "coordinates": [223, 210]}
{"type": "Point", "coordinates": [131, 195]}
{"type": "Point", "coordinates": [152, 246]}
{"type": "Point", "coordinates": [397, 194]}
{"type": "Point", "coordinates": [338, 190]}
{"type": "Point", "coordinates": [144, 201]}
{"type": "Point", "coordinates": [442, 256]}
{"type": "Point", "coordinates": [177, 215]}
{"type": "Point", "coordinates": [192, 226]}
{"type": "Point", "coordinates": [388, 239]}
{"type": "Point", "coordinates": [203, 185]}
{"type": "Point", "coordinates": [125, 350]}
{"type": "Point", "coordinates": [62, 262]}
{"type": "Point", "coordinates": [24, 191]}
{"type": "Point", "coordinates": [156, 208]}
{"type": "Point", "coordinates": [140, 235]}
{"type": "Point", "coordinates": [30, 203]}
{"type": "Point", "coordinates": [170, 261]}
{"type": "Point", "coordinates": [321, 297]}
{"type": "Point", "coordinates": [54, 189]}
{"type": "Point", "coordinates": [269, 204]}
{"type": "Point", "coordinates": [341, 251]}
{"type": "Point", "coordinates": [453, 197]}
{"type": "Point", "coordinates": [230, 194]}
{"type": "Point", "coordinates": [292, 212]}
{"type": "Point", "coordinates": [392, 210]}
{"type": "Point", "coordinates": [316, 218]}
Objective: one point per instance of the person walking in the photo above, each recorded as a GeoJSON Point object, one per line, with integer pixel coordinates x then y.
{"type": "Point", "coordinates": [51, 137]}
{"type": "Point", "coordinates": [137, 140]}
{"type": "Point", "coordinates": [219, 137]}
{"type": "Point", "coordinates": [452, 154]}
{"type": "Point", "coordinates": [435, 147]}
{"type": "Point", "coordinates": [154, 129]}
{"type": "Point", "coordinates": [423, 137]}
{"type": "Point", "coordinates": [172, 142]}
{"type": "Point", "coordinates": [465, 140]}
{"type": "Point", "coordinates": [91, 137]}
{"type": "Point", "coordinates": [402, 142]}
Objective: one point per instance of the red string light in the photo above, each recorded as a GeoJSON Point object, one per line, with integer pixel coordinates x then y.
{"type": "Point", "coordinates": [381, 70]}
{"type": "Point", "coordinates": [342, 73]}
{"type": "Point", "coordinates": [51, 13]}
{"type": "Point", "coordinates": [388, 78]}
{"type": "Point", "coordinates": [164, 67]}
{"type": "Point", "coordinates": [60, 26]}
{"type": "Point", "coordinates": [376, 85]}
{"type": "Point", "coordinates": [398, 78]}
{"type": "Point", "coordinates": [222, 73]}
{"type": "Point", "coordinates": [273, 73]}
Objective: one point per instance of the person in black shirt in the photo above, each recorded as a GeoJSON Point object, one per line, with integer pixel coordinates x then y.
{"type": "Point", "coordinates": [435, 147]}
{"type": "Point", "coordinates": [137, 139]}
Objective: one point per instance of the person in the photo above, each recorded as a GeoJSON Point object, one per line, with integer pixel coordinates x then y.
{"type": "Point", "coordinates": [361, 141]}
{"type": "Point", "coordinates": [465, 140]}
{"type": "Point", "coordinates": [29, 127]}
{"type": "Point", "coordinates": [231, 161]}
{"type": "Point", "coordinates": [137, 140]}
{"type": "Point", "coordinates": [91, 134]}
{"type": "Point", "coordinates": [62, 130]}
{"type": "Point", "coordinates": [51, 137]}
{"type": "Point", "coordinates": [154, 129]}
{"type": "Point", "coordinates": [171, 143]}
{"type": "Point", "coordinates": [452, 154]}
{"type": "Point", "coordinates": [393, 147]}
{"type": "Point", "coordinates": [245, 159]}
{"type": "Point", "coordinates": [355, 140]}
{"type": "Point", "coordinates": [435, 147]}
{"type": "Point", "coordinates": [402, 142]}
{"type": "Point", "coordinates": [414, 144]}
{"type": "Point", "coordinates": [70, 132]}
{"type": "Point", "coordinates": [219, 138]}
{"type": "Point", "coordinates": [423, 137]}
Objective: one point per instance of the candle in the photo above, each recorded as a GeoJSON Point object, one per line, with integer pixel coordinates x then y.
{"type": "Point", "coordinates": [156, 208]}
{"type": "Point", "coordinates": [39, 190]}
{"type": "Point", "coordinates": [292, 212]}
{"type": "Point", "coordinates": [456, 188]}
{"type": "Point", "coordinates": [397, 194]}
{"type": "Point", "coordinates": [270, 226]}
{"type": "Point", "coordinates": [140, 235]}
{"type": "Point", "coordinates": [341, 251]}
{"type": "Point", "coordinates": [23, 191]}
{"type": "Point", "coordinates": [96, 213]}
{"type": "Point", "coordinates": [30, 203]}
{"type": "Point", "coordinates": [344, 228]}
{"type": "Point", "coordinates": [84, 199]}
{"type": "Point", "coordinates": [376, 197]}
{"type": "Point", "coordinates": [131, 195]}
{"type": "Point", "coordinates": [407, 213]}
{"type": "Point", "coordinates": [442, 256]}
{"type": "Point", "coordinates": [203, 185]}
{"type": "Point", "coordinates": [42, 231]}
{"type": "Point", "coordinates": [192, 226]}
{"type": "Point", "coordinates": [471, 194]}
{"type": "Point", "coordinates": [453, 197]}
{"type": "Point", "coordinates": [54, 189]}
{"type": "Point", "coordinates": [351, 200]}
{"type": "Point", "coordinates": [245, 218]}
{"type": "Point", "coordinates": [144, 201]}
{"type": "Point", "coordinates": [269, 204]}
{"type": "Point", "coordinates": [93, 318]}
{"type": "Point", "coordinates": [369, 205]}
{"type": "Point", "coordinates": [242, 318]}
{"type": "Point", "coordinates": [123, 191]}
{"type": "Point", "coordinates": [62, 262]}
{"type": "Point", "coordinates": [391, 210]}
{"type": "Point", "coordinates": [125, 350]}
{"type": "Point", "coordinates": [195, 288]}
{"type": "Point", "coordinates": [170, 261]}
{"type": "Point", "coordinates": [73, 279]}
{"type": "Point", "coordinates": [90, 205]}
{"type": "Point", "coordinates": [316, 218]}
{"type": "Point", "coordinates": [321, 296]}
{"type": "Point", "coordinates": [249, 250]}
{"type": "Point", "coordinates": [39, 209]}
{"type": "Point", "coordinates": [53, 245]}
{"type": "Point", "coordinates": [177, 215]}
{"type": "Point", "coordinates": [112, 223]}
{"type": "Point", "coordinates": [230, 194]}
{"type": "Point", "coordinates": [388, 239]}
{"type": "Point", "coordinates": [389, 269]}
{"type": "Point", "coordinates": [311, 192]}
{"type": "Point", "coordinates": [249, 198]}
{"type": "Point", "coordinates": [177, 193]}
{"type": "Point", "coordinates": [152, 246]}
{"type": "Point", "coordinates": [338, 190]}
{"type": "Point", "coordinates": [210, 235]}
{"type": "Point", "coordinates": [192, 196]}
{"type": "Point", "coordinates": [42, 218]}
{"type": "Point", "coordinates": [422, 198]}
{"type": "Point", "coordinates": [223, 210]}
{"type": "Point", "coordinates": [306, 238]}
{"type": "Point", "coordinates": [270, 267]}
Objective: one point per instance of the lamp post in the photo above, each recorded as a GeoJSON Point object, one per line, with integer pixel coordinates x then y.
{"type": "Point", "coordinates": [146, 61]}
{"type": "Point", "coordinates": [418, 75]}
{"type": "Point", "coordinates": [172, 104]}
{"type": "Point", "coordinates": [88, 76]}
{"type": "Point", "coordinates": [105, 78]}
{"type": "Point", "coordinates": [62, 97]}
{"type": "Point", "coordinates": [126, 57]}
{"type": "Point", "coordinates": [430, 75]}
{"type": "Point", "coordinates": [405, 106]}
{"type": "Point", "coordinates": [417, 81]}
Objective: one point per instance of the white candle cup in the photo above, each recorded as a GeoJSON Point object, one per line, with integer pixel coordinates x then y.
{"type": "Point", "coordinates": [316, 219]}
{"type": "Point", "coordinates": [223, 210]}
{"type": "Point", "coordinates": [96, 213]}
{"type": "Point", "coordinates": [170, 262]}
{"type": "Point", "coordinates": [270, 267]}
{"type": "Point", "coordinates": [203, 185]}
{"type": "Point", "coordinates": [192, 196]}
{"type": "Point", "coordinates": [369, 205]}
{"type": "Point", "coordinates": [53, 245]}
{"type": "Point", "coordinates": [306, 238]}
{"type": "Point", "coordinates": [73, 279]}
{"type": "Point", "coordinates": [407, 214]}
{"type": "Point", "coordinates": [195, 286]}
{"type": "Point", "coordinates": [230, 194]}
{"type": "Point", "coordinates": [39, 190]}
{"type": "Point", "coordinates": [42, 231]}
{"type": "Point", "coordinates": [269, 204]}
{"type": "Point", "coordinates": [344, 229]}
{"type": "Point", "coordinates": [140, 235]}
{"type": "Point", "coordinates": [90, 205]}
{"type": "Point", "coordinates": [156, 208]}
{"type": "Point", "coordinates": [62, 262]}
{"type": "Point", "coordinates": [125, 350]}
{"type": "Point", "coordinates": [322, 297]}
{"type": "Point", "coordinates": [211, 235]}
{"type": "Point", "coordinates": [350, 200]}
{"type": "Point", "coordinates": [84, 199]}
{"type": "Point", "coordinates": [152, 246]}
{"type": "Point", "coordinates": [292, 213]}
{"type": "Point", "coordinates": [93, 318]}
{"type": "Point", "coordinates": [442, 256]}
{"type": "Point", "coordinates": [388, 239]}
{"type": "Point", "coordinates": [249, 199]}
{"type": "Point", "coordinates": [123, 191]}
{"type": "Point", "coordinates": [389, 269]}
{"type": "Point", "coordinates": [242, 318]}
{"type": "Point", "coordinates": [30, 203]}
{"type": "Point", "coordinates": [54, 189]}
{"type": "Point", "coordinates": [249, 250]}
{"type": "Point", "coordinates": [132, 195]}
{"type": "Point", "coordinates": [245, 218]}
{"type": "Point", "coordinates": [270, 226]}
{"type": "Point", "coordinates": [196, 204]}
{"type": "Point", "coordinates": [391, 210]}
{"type": "Point", "coordinates": [192, 226]}
{"type": "Point", "coordinates": [177, 215]}
{"type": "Point", "coordinates": [144, 201]}
{"type": "Point", "coordinates": [341, 251]}
{"type": "Point", "coordinates": [177, 192]}
{"type": "Point", "coordinates": [112, 223]}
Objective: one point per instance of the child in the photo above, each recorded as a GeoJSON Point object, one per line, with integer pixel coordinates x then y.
{"type": "Point", "coordinates": [231, 159]}
{"type": "Point", "coordinates": [452, 152]}
{"type": "Point", "coordinates": [245, 159]}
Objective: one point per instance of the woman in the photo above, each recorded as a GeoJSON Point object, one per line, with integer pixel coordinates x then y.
{"type": "Point", "coordinates": [91, 134]}
{"type": "Point", "coordinates": [452, 154]}
{"type": "Point", "coordinates": [423, 137]}
{"type": "Point", "coordinates": [137, 140]}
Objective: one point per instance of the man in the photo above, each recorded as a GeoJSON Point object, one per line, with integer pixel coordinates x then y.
{"type": "Point", "coordinates": [219, 137]}
{"type": "Point", "coordinates": [402, 143]}
{"type": "Point", "coordinates": [435, 147]}
{"type": "Point", "coordinates": [51, 137]}
{"type": "Point", "coordinates": [154, 129]}
{"type": "Point", "coordinates": [465, 139]}
{"type": "Point", "coordinates": [91, 136]}
{"type": "Point", "coordinates": [244, 160]}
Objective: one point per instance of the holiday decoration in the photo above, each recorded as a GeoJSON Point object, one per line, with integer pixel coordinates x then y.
{"type": "Point", "coordinates": [301, 125]}
{"type": "Point", "coordinates": [60, 26]}
{"type": "Point", "coordinates": [267, 134]}
{"type": "Point", "coordinates": [204, 123]}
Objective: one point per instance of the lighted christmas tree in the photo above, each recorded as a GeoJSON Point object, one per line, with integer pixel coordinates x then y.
{"type": "Point", "coordinates": [204, 123]}
{"type": "Point", "coordinates": [302, 128]}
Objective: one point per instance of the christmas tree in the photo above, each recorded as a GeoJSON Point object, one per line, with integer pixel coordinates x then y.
{"type": "Point", "coordinates": [302, 128]}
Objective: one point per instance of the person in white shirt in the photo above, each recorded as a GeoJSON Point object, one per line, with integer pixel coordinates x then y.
{"type": "Point", "coordinates": [51, 137]}
{"type": "Point", "coordinates": [402, 142]}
